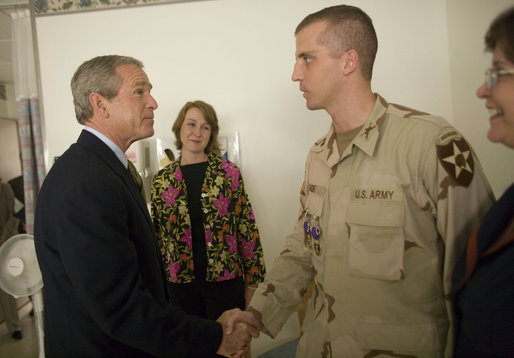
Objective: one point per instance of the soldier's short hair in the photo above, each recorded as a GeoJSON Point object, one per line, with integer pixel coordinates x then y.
{"type": "Point", "coordinates": [348, 28]}
{"type": "Point", "coordinates": [98, 75]}
{"type": "Point", "coordinates": [501, 34]}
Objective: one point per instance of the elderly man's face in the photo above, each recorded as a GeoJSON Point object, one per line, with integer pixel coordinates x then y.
{"type": "Point", "coordinates": [130, 113]}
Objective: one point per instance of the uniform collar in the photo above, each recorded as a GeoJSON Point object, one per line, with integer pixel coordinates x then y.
{"type": "Point", "coordinates": [366, 140]}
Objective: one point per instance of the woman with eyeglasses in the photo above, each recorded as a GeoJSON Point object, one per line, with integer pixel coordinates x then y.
{"type": "Point", "coordinates": [483, 279]}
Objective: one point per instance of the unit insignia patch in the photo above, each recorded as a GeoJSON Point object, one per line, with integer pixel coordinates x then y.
{"type": "Point", "coordinates": [457, 160]}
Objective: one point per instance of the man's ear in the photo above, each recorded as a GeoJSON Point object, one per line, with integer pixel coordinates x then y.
{"type": "Point", "coordinates": [350, 61]}
{"type": "Point", "coordinates": [99, 104]}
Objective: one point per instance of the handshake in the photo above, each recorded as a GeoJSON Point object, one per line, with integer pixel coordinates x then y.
{"type": "Point", "coordinates": [238, 329]}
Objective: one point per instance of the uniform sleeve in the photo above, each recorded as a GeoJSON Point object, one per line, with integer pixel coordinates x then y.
{"type": "Point", "coordinates": [461, 195]}
{"type": "Point", "coordinates": [287, 281]}
{"type": "Point", "coordinates": [250, 247]}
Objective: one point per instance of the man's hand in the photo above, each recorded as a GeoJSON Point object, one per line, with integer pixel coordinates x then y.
{"type": "Point", "coordinates": [238, 329]}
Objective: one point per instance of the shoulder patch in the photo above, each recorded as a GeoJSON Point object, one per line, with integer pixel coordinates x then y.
{"type": "Point", "coordinates": [456, 159]}
{"type": "Point", "coordinates": [453, 133]}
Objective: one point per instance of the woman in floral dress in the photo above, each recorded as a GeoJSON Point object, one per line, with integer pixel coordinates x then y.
{"type": "Point", "coordinates": [205, 223]}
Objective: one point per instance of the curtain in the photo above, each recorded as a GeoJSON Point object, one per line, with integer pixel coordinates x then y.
{"type": "Point", "coordinates": [27, 104]}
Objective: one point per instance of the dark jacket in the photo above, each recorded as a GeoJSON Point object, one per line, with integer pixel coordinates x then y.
{"type": "Point", "coordinates": [483, 285]}
{"type": "Point", "coordinates": [104, 287]}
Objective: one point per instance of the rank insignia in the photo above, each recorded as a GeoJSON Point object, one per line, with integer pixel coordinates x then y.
{"type": "Point", "coordinates": [456, 159]}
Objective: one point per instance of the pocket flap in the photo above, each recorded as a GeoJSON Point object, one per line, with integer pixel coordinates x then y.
{"type": "Point", "coordinates": [387, 214]}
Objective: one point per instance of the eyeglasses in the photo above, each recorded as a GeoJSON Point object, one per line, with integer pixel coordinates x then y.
{"type": "Point", "coordinates": [491, 76]}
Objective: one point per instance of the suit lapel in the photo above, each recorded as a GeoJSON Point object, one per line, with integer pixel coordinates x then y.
{"type": "Point", "coordinates": [105, 153]}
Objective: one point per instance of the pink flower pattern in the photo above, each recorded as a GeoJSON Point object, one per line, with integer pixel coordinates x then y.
{"type": "Point", "coordinates": [227, 275]}
{"type": "Point", "coordinates": [178, 174]}
{"type": "Point", "coordinates": [234, 253]}
{"type": "Point", "coordinates": [174, 269]}
{"type": "Point", "coordinates": [187, 238]}
{"type": "Point", "coordinates": [208, 237]}
{"type": "Point", "coordinates": [247, 249]}
{"type": "Point", "coordinates": [169, 196]}
{"type": "Point", "coordinates": [222, 204]}
{"type": "Point", "coordinates": [231, 172]}
{"type": "Point", "coordinates": [232, 243]}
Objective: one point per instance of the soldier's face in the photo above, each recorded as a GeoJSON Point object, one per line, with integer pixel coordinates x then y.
{"type": "Point", "coordinates": [318, 73]}
{"type": "Point", "coordinates": [500, 101]}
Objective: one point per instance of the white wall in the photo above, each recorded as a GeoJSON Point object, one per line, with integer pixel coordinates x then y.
{"type": "Point", "coordinates": [238, 55]}
{"type": "Point", "coordinates": [8, 105]}
{"type": "Point", "coordinates": [10, 161]}
{"type": "Point", "coordinates": [468, 21]}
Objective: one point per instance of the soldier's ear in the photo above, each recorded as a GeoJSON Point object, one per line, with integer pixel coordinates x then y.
{"type": "Point", "coordinates": [350, 61]}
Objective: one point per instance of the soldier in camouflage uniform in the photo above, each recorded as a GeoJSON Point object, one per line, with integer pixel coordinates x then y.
{"type": "Point", "coordinates": [389, 198]}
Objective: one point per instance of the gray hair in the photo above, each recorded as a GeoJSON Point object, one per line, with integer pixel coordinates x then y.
{"type": "Point", "coordinates": [97, 75]}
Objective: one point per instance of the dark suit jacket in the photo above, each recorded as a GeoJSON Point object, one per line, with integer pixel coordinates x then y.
{"type": "Point", "coordinates": [104, 287]}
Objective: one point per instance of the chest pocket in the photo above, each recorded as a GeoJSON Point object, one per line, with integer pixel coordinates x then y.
{"type": "Point", "coordinates": [376, 243]}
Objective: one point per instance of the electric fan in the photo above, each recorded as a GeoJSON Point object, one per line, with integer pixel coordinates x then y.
{"type": "Point", "coordinates": [20, 276]}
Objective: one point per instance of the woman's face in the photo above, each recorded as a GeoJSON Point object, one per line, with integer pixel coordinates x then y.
{"type": "Point", "coordinates": [195, 132]}
{"type": "Point", "coordinates": [500, 101]}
